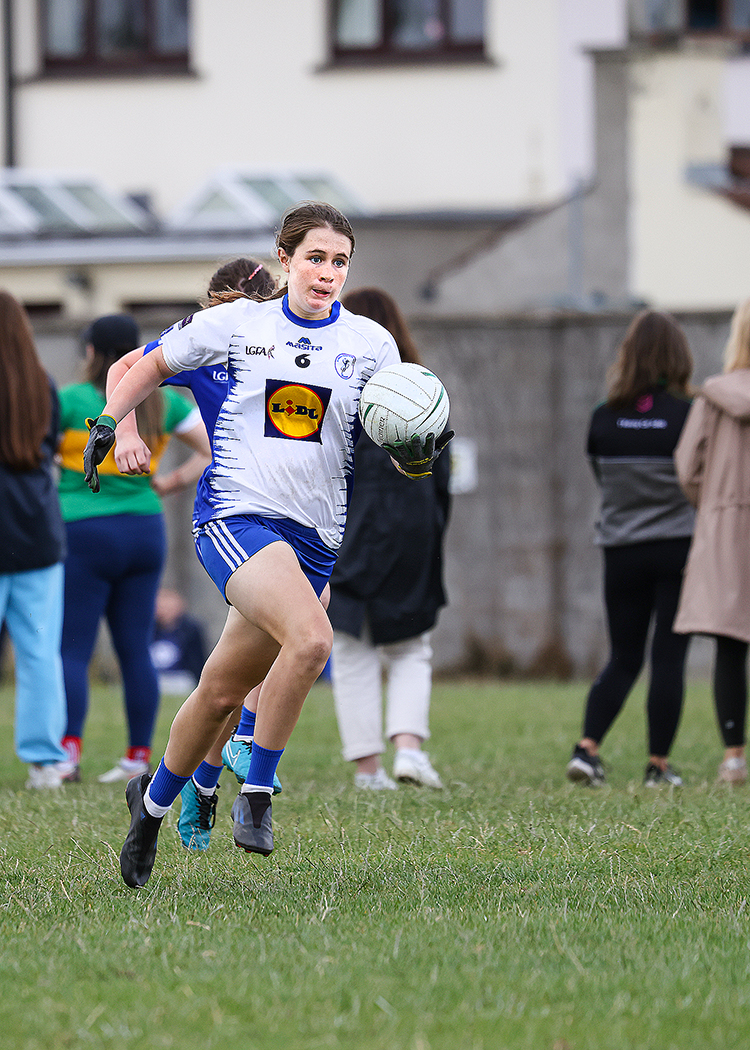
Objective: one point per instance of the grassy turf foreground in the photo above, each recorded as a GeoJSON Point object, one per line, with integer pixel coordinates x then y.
{"type": "Point", "coordinates": [511, 910]}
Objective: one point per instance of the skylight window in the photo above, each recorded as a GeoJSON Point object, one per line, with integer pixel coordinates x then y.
{"type": "Point", "coordinates": [66, 205]}
{"type": "Point", "coordinates": [236, 199]}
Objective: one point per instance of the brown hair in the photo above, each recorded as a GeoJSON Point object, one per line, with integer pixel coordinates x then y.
{"type": "Point", "coordinates": [380, 307]}
{"type": "Point", "coordinates": [241, 278]}
{"type": "Point", "coordinates": [737, 350]}
{"type": "Point", "coordinates": [25, 404]}
{"type": "Point", "coordinates": [654, 352]}
{"type": "Point", "coordinates": [297, 223]}
{"type": "Point", "coordinates": [150, 413]}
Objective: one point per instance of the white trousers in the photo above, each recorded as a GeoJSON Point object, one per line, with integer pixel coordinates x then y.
{"type": "Point", "coordinates": [357, 668]}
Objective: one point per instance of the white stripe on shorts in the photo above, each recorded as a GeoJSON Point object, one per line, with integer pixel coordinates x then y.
{"type": "Point", "coordinates": [225, 544]}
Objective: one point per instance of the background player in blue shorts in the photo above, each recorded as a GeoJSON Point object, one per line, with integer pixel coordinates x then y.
{"type": "Point", "coordinates": [208, 384]}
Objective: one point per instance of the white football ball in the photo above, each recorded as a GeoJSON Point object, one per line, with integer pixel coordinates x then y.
{"type": "Point", "coordinates": [401, 401]}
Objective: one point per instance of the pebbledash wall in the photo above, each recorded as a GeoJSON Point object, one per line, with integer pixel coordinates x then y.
{"type": "Point", "coordinates": [522, 571]}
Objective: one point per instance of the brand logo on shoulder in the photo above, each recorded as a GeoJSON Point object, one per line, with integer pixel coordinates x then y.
{"type": "Point", "coordinates": [303, 344]}
{"type": "Point", "coordinates": [184, 321]}
{"type": "Point", "coordinates": [295, 411]}
{"type": "Point", "coordinates": [256, 351]}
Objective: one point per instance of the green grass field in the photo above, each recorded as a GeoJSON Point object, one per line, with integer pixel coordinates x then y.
{"type": "Point", "coordinates": [512, 910]}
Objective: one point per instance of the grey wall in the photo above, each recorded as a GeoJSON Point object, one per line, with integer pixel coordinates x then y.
{"type": "Point", "coordinates": [522, 572]}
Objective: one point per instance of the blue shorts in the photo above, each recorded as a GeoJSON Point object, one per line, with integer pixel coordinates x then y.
{"type": "Point", "coordinates": [226, 543]}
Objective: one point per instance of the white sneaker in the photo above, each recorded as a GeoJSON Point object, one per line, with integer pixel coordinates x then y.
{"type": "Point", "coordinates": [415, 767]}
{"type": "Point", "coordinates": [69, 771]}
{"type": "Point", "coordinates": [125, 769]}
{"type": "Point", "coordinates": [377, 781]}
{"type": "Point", "coordinates": [733, 770]}
{"type": "Point", "coordinates": [44, 777]}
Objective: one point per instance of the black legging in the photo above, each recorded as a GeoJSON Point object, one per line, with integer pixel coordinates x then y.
{"type": "Point", "coordinates": [730, 689]}
{"type": "Point", "coordinates": [642, 582]}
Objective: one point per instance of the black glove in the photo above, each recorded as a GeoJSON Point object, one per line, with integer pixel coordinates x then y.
{"type": "Point", "coordinates": [101, 439]}
{"type": "Point", "coordinates": [415, 457]}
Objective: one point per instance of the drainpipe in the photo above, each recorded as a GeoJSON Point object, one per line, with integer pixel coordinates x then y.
{"type": "Point", "coordinates": [9, 102]}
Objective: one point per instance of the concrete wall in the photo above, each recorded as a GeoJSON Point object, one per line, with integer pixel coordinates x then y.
{"type": "Point", "coordinates": [523, 575]}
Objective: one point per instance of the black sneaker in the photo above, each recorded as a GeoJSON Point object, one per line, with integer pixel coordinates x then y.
{"type": "Point", "coordinates": [657, 777]}
{"type": "Point", "coordinates": [584, 768]}
{"type": "Point", "coordinates": [253, 830]}
{"type": "Point", "coordinates": [139, 849]}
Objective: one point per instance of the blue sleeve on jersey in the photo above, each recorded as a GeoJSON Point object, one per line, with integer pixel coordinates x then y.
{"type": "Point", "coordinates": [181, 379]}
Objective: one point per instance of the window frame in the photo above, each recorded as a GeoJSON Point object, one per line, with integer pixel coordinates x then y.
{"type": "Point", "coordinates": [89, 62]}
{"type": "Point", "coordinates": [724, 27]}
{"type": "Point", "coordinates": [386, 54]}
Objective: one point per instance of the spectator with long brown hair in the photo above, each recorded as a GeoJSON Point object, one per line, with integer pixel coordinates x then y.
{"type": "Point", "coordinates": [644, 528]}
{"type": "Point", "coordinates": [32, 545]}
{"type": "Point", "coordinates": [386, 591]}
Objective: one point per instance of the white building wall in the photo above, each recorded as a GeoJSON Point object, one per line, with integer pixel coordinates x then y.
{"type": "Point", "coordinates": [469, 135]}
{"type": "Point", "coordinates": [690, 248]}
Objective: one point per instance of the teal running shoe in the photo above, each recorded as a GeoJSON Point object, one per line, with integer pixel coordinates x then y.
{"type": "Point", "coordinates": [197, 817]}
{"type": "Point", "coordinates": [236, 757]}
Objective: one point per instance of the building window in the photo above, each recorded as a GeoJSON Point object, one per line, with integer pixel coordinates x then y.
{"type": "Point", "coordinates": [671, 19]}
{"type": "Point", "coordinates": [719, 16]}
{"type": "Point", "coordinates": [114, 35]}
{"type": "Point", "coordinates": [410, 30]}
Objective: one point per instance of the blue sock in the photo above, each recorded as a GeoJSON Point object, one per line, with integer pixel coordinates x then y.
{"type": "Point", "coordinates": [247, 723]}
{"type": "Point", "coordinates": [263, 763]}
{"type": "Point", "coordinates": [165, 786]}
{"type": "Point", "coordinates": [206, 775]}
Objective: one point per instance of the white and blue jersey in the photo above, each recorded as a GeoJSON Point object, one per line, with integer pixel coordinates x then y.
{"type": "Point", "coordinates": [284, 436]}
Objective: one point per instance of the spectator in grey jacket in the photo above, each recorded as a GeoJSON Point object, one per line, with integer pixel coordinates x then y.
{"type": "Point", "coordinates": [644, 528]}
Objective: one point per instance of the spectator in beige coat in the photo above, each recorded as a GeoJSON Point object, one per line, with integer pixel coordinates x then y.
{"type": "Point", "coordinates": [713, 465]}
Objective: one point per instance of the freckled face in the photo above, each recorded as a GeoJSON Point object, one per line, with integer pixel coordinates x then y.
{"type": "Point", "coordinates": [317, 272]}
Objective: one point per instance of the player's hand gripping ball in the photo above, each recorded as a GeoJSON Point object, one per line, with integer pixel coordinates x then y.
{"type": "Point", "coordinates": [101, 439]}
{"type": "Point", "coordinates": [404, 409]}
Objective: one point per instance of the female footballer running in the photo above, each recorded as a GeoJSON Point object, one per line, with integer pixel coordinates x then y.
{"type": "Point", "coordinates": [272, 506]}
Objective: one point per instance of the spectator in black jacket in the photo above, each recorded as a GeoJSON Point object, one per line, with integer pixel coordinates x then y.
{"type": "Point", "coordinates": [32, 546]}
{"type": "Point", "coordinates": [644, 527]}
{"type": "Point", "coordinates": [386, 590]}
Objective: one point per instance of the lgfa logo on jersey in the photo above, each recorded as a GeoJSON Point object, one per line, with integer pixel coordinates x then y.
{"type": "Point", "coordinates": [295, 411]}
{"type": "Point", "coordinates": [303, 344]}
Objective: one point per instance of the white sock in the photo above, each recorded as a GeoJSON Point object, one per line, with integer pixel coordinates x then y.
{"type": "Point", "coordinates": [247, 788]}
{"type": "Point", "coordinates": [203, 790]}
{"type": "Point", "coordinates": [151, 807]}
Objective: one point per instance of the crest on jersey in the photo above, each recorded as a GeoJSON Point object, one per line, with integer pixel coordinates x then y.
{"type": "Point", "coordinates": [294, 410]}
{"type": "Point", "coordinates": [344, 364]}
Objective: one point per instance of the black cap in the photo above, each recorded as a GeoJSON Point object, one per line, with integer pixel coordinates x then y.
{"type": "Point", "coordinates": [113, 334]}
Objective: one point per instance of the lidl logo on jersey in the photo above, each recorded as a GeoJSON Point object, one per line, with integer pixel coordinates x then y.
{"type": "Point", "coordinates": [303, 344]}
{"type": "Point", "coordinates": [295, 411]}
